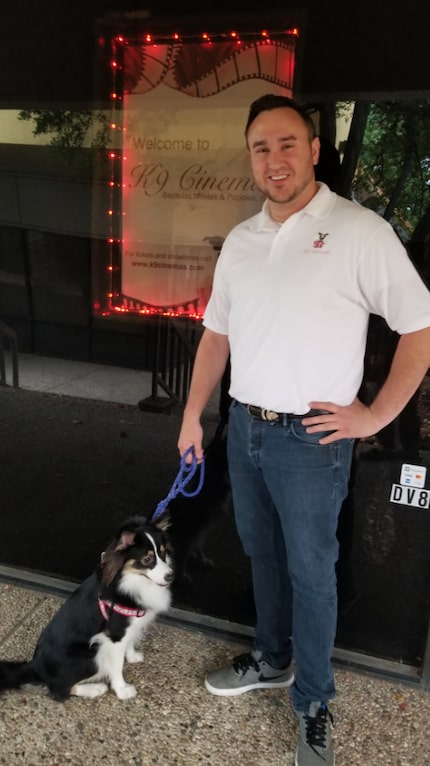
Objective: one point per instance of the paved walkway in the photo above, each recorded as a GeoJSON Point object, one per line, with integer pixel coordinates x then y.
{"type": "Point", "coordinates": [174, 722]}
{"type": "Point", "coordinates": [85, 379]}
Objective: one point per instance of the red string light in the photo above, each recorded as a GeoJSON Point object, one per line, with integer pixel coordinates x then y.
{"type": "Point", "coordinates": [114, 241]}
{"type": "Point", "coordinates": [211, 37]}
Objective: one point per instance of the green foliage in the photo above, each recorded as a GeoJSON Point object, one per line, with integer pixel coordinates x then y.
{"type": "Point", "coordinates": [68, 129]}
{"type": "Point", "coordinates": [77, 135]}
{"type": "Point", "coordinates": [393, 173]}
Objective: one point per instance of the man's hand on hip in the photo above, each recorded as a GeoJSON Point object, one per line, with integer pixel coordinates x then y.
{"type": "Point", "coordinates": [355, 421]}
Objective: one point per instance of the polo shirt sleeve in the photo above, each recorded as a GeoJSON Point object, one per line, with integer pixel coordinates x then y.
{"type": "Point", "coordinates": [390, 284]}
{"type": "Point", "coordinates": [218, 307]}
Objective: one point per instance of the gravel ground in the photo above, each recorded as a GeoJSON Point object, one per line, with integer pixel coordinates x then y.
{"type": "Point", "coordinates": [173, 721]}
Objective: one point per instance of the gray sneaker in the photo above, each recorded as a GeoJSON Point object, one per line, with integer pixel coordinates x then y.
{"type": "Point", "coordinates": [247, 672]}
{"type": "Point", "coordinates": [315, 747]}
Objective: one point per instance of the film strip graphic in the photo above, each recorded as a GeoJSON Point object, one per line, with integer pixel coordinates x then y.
{"type": "Point", "coordinates": [201, 69]}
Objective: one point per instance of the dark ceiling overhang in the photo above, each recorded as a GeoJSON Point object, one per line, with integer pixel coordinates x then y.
{"type": "Point", "coordinates": [50, 52]}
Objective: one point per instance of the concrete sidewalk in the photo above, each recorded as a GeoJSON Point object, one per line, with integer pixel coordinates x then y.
{"type": "Point", "coordinates": [87, 380]}
{"type": "Point", "coordinates": [83, 379]}
{"type": "Point", "coordinates": [175, 722]}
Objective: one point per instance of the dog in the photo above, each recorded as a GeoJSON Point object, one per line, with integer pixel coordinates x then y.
{"type": "Point", "coordinates": [81, 651]}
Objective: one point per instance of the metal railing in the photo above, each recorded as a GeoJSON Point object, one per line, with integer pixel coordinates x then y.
{"type": "Point", "coordinates": [8, 339]}
{"type": "Point", "coordinates": [176, 341]}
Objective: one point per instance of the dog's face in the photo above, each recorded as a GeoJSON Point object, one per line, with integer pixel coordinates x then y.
{"type": "Point", "coordinates": [140, 548]}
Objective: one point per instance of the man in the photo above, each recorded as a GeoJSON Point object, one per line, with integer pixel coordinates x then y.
{"type": "Point", "coordinates": [293, 290]}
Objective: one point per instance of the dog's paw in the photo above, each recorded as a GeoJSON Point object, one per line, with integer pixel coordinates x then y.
{"type": "Point", "coordinates": [89, 690]}
{"type": "Point", "coordinates": [126, 692]}
{"type": "Point", "coordinates": [132, 655]}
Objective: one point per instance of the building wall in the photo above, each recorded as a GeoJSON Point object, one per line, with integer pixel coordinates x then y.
{"type": "Point", "coordinates": [53, 219]}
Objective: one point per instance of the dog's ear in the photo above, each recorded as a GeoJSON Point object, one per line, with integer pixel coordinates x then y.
{"type": "Point", "coordinates": [112, 561]}
{"type": "Point", "coordinates": [164, 521]}
{"type": "Point", "coordinates": [126, 539]}
{"type": "Point", "coordinates": [109, 566]}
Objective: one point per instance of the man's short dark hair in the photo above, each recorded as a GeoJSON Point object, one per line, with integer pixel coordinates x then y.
{"type": "Point", "coordinates": [272, 101]}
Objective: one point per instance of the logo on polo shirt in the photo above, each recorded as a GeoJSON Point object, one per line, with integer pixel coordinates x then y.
{"type": "Point", "coordinates": [318, 243]}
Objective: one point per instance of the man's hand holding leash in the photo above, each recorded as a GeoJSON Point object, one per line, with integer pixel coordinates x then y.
{"type": "Point", "coordinates": [191, 435]}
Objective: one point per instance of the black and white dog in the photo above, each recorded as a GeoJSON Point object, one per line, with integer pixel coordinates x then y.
{"type": "Point", "coordinates": [82, 650]}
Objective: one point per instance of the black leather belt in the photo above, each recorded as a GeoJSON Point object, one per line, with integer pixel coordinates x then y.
{"type": "Point", "coordinates": [263, 414]}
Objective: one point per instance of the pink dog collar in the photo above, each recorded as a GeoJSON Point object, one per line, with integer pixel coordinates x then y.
{"type": "Point", "coordinates": [123, 610]}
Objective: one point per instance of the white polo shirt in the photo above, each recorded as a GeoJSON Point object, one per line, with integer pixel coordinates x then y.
{"type": "Point", "coordinates": [294, 300]}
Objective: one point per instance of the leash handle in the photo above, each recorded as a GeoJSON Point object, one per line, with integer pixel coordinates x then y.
{"type": "Point", "coordinates": [185, 474]}
{"type": "Point", "coordinates": [187, 471]}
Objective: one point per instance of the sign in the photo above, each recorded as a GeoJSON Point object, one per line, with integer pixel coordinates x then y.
{"type": "Point", "coordinates": [186, 179]}
{"type": "Point", "coordinates": [413, 475]}
{"type": "Point", "coordinates": [411, 490]}
{"type": "Point", "coordinates": [419, 498]}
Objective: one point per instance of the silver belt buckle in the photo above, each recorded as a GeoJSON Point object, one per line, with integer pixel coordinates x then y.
{"type": "Point", "coordinates": [269, 415]}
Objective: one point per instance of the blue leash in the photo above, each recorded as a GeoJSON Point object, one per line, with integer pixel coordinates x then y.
{"type": "Point", "coordinates": [185, 474]}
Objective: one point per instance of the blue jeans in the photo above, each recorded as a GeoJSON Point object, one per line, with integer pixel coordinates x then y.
{"type": "Point", "coordinates": [287, 493]}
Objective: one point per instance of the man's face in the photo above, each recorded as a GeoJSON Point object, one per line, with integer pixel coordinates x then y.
{"type": "Point", "coordinates": [282, 158]}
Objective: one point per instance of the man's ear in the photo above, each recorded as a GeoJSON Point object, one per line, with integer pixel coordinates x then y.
{"type": "Point", "coordinates": [316, 146]}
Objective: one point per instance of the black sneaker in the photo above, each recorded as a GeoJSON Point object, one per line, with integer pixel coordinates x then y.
{"type": "Point", "coordinates": [315, 747]}
{"type": "Point", "coordinates": [247, 672]}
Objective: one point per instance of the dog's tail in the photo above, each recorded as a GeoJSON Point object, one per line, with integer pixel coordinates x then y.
{"type": "Point", "coordinates": [15, 674]}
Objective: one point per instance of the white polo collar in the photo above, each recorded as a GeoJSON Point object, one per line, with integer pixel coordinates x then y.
{"type": "Point", "coordinates": [318, 207]}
